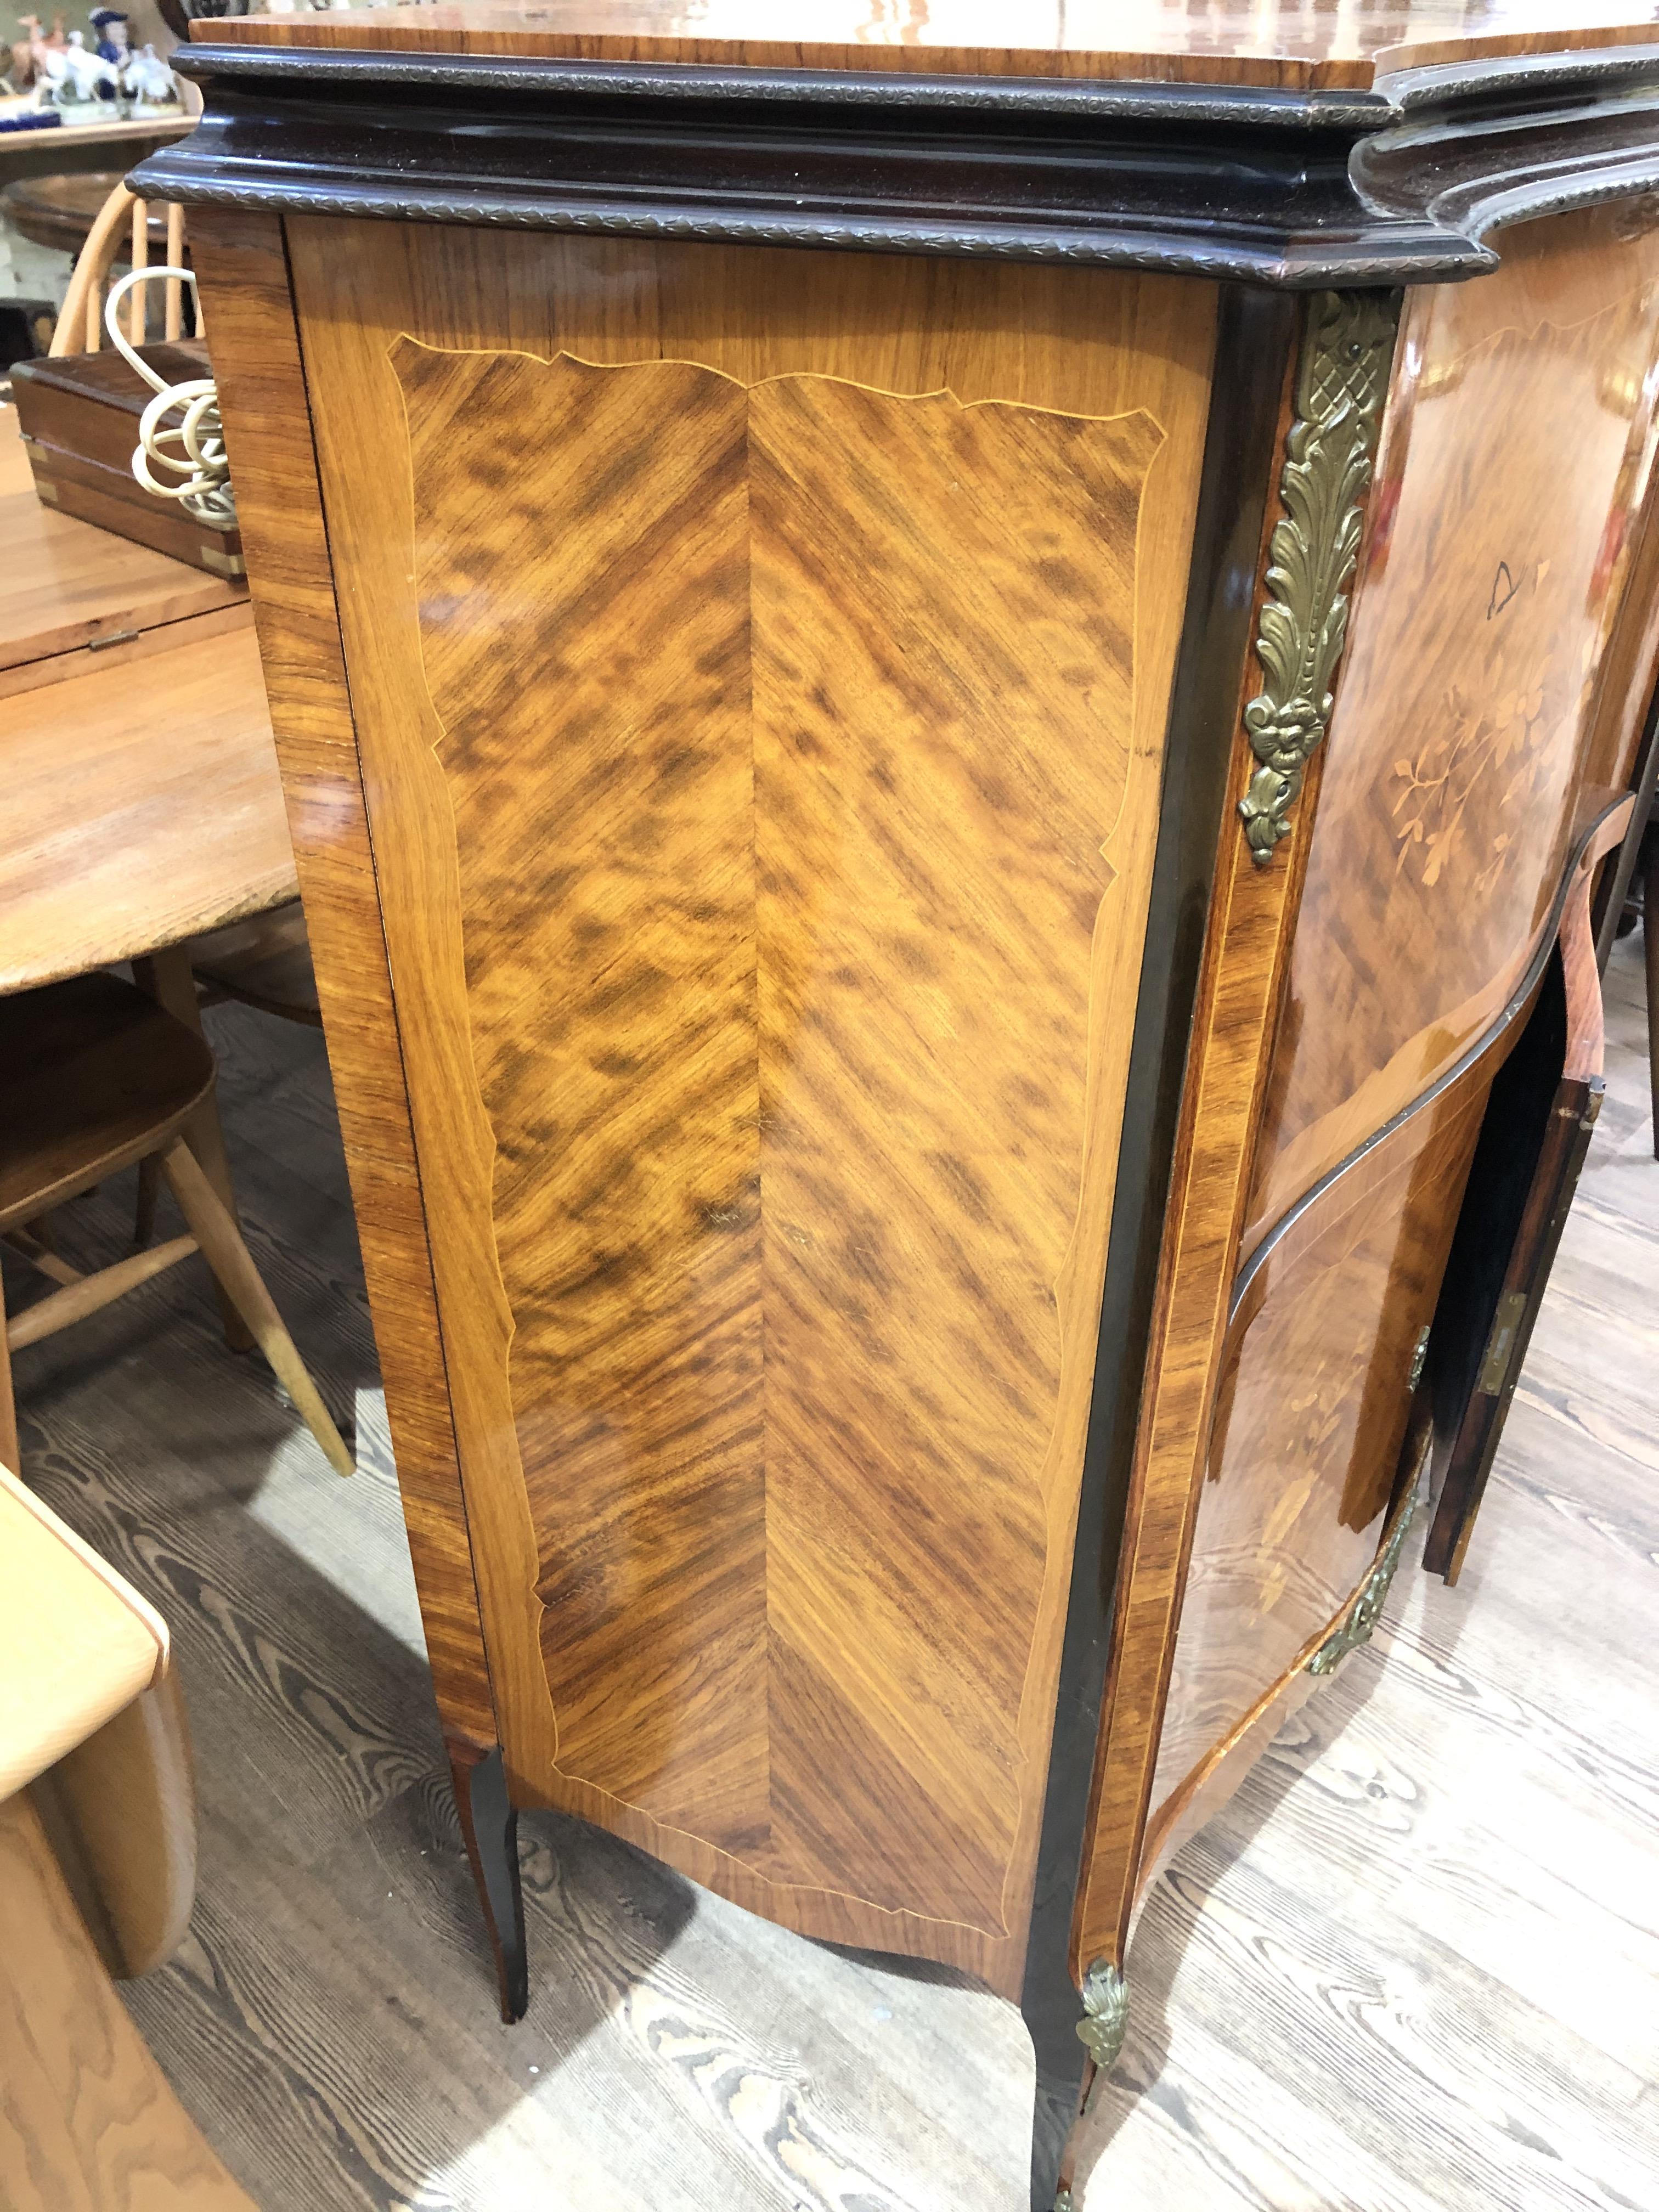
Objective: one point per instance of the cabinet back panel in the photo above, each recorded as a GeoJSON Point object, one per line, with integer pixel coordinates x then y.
{"type": "Point", "coordinates": [763, 737]}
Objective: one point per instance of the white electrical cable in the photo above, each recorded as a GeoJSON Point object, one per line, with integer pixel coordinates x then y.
{"type": "Point", "coordinates": [192, 448]}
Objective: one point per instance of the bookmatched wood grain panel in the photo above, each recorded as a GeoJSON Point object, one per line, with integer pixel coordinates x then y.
{"type": "Point", "coordinates": [1512, 485]}
{"type": "Point", "coordinates": [241, 264]}
{"type": "Point", "coordinates": [763, 788]}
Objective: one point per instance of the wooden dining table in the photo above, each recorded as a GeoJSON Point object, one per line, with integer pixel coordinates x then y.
{"type": "Point", "coordinates": [143, 805]}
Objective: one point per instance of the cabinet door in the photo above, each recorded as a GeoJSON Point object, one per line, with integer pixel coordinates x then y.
{"type": "Point", "coordinates": [1542, 1114]}
{"type": "Point", "coordinates": [759, 664]}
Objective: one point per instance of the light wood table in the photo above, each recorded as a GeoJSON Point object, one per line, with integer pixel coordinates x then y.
{"type": "Point", "coordinates": [144, 805]}
{"type": "Point", "coordinates": [142, 808]}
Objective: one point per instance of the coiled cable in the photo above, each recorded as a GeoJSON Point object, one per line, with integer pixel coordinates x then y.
{"type": "Point", "coordinates": [191, 449]}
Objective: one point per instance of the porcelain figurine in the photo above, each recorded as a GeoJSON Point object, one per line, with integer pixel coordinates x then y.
{"type": "Point", "coordinates": [148, 80]}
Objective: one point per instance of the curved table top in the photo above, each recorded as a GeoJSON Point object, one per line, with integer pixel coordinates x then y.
{"type": "Point", "coordinates": [57, 211]}
{"type": "Point", "coordinates": [143, 806]}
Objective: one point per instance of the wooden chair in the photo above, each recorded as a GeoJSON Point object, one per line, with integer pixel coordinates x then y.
{"type": "Point", "coordinates": [123, 219]}
{"type": "Point", "coordinates": [262, 962]}
{"type": "Point", "coordinates": [97, 1879]}
{"type": "Point", "coordinates": [265, 960]}
{"type": "Point", "coordinates": [96, 1077]}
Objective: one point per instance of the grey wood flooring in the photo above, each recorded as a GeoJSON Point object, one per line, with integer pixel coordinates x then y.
{"type": "Point", "coordinates": [1415, 1963]}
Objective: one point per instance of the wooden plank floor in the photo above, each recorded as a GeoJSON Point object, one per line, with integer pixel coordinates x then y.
{"type": "Point", "coordinates": [1426, 1975]}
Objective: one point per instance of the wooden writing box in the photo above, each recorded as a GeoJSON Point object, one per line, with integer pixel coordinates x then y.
{"type": "Point", "coordinates": [79, 415]}
{"type": "Point", "coordinates": [943, 695]}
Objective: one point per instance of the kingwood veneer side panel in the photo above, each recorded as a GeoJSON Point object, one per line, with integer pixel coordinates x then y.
{"type": "Point", "coordinates": [1252, 914]}
{"type": "Point", "coordinates": [242, 268]}
{"type": "Point", "coordinates": [761, 662]}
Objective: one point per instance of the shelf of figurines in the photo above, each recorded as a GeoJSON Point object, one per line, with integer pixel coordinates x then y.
{"type": "Point", "coordinates": [55, 80]}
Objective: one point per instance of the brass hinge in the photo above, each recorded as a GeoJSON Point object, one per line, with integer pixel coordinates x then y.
{"type": "Point", "coordinates": [1500, 1344]}
{"type": "Point", "coordinates": [1419, 1355]}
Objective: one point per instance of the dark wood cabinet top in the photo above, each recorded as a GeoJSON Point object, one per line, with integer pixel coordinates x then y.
{"type": "Point", "coordinates": [1295, 147]}
{"type": "Point", "coordinates": [1242, 42]}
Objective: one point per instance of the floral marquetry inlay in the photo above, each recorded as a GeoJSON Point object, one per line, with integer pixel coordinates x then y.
{"type": "Point", "coordinates": [1435, 786]}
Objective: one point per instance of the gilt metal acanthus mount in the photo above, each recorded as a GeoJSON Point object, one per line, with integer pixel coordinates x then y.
{"type": "Point", "coordinates": [1106, 2014]}
{"type": "Point", "coordinates": [1100, 2031]}
{"type": "Point", "coordinates": [1341, 382]}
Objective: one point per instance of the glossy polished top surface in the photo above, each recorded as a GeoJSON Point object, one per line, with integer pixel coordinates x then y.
{"type": "Point", "coordinates": [1322, 43]}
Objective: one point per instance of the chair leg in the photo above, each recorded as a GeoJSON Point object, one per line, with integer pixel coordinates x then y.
{"type": "Point", "coordinates": [150, 1188]}
{"type": "Point", "coordinates": [1650, 952]}
{"type": "Point", "coordinates": [9, 1455]}
{"type": "Point", "coordinates": [233, 1266]}
{"type": "Point", "coordinates": [166, 977]}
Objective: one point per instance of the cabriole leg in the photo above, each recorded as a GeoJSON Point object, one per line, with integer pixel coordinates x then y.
{"type": "Point", "coordinates": [1076, 2037]}
{"type": "Point", "coordinates": [489, 1822]}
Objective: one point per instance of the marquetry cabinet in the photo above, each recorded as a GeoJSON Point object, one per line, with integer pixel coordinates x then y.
{"type": "Point", "coordinates": [947, 706]}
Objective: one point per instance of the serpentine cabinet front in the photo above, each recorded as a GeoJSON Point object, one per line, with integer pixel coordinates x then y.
{"type": "Point", "coordinates": [1476, 767]}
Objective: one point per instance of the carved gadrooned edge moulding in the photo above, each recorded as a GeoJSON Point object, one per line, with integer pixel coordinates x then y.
{"type": "Point", "coordinates": [1103, 247]}
{"type": "Point", "coordinates": [1341, 383]}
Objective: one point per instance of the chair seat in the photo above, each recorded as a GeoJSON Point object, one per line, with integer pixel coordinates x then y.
{"type": "Point", "coordinates": [93, 1074]}
{"type": "Point", "coordinates": [264, 961]}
